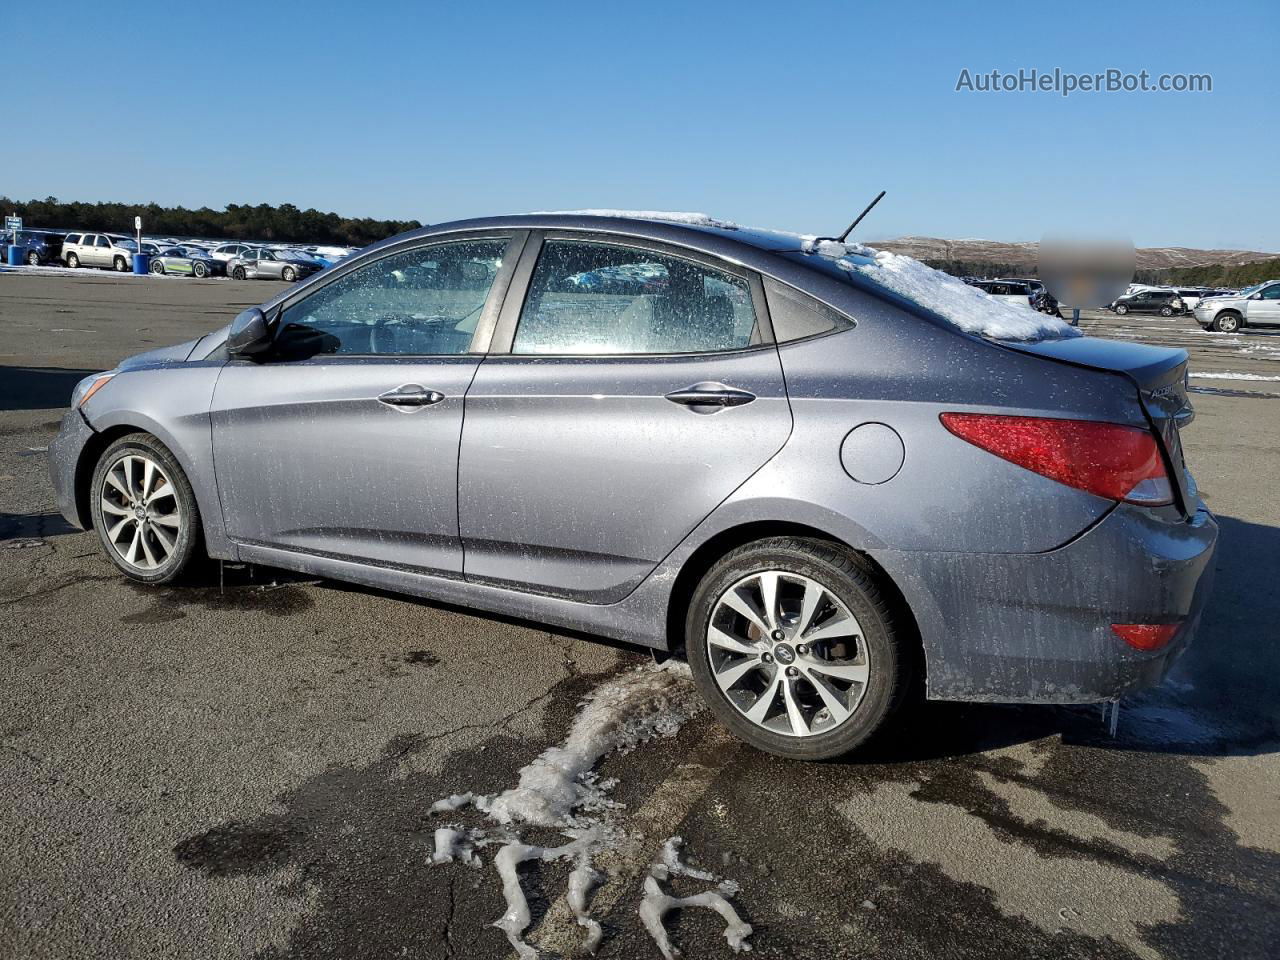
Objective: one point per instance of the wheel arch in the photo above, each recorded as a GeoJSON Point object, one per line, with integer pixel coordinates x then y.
{"type": "Point", "coordinates": [704, 557]}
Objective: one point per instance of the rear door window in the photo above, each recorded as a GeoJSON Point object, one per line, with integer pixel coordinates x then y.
{"type": "Point", "coordinates": [590, 298]}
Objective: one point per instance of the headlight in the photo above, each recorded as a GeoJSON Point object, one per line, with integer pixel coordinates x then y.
{"type": "Point", "coordinates": [87, 387]}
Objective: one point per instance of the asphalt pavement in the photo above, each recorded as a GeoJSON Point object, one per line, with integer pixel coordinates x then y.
{"type": "Point", "coordinates": [244, 768]}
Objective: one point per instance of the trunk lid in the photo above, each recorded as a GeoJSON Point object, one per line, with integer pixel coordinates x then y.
{"type": "Point", "coordinates": [1160, 376]}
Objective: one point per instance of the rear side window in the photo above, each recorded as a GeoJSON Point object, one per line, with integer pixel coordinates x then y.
{"type": "Point", "coordinates": [797, 315]}
{"type": "Point", "coordinates": [423, 302]}
{"type": "Point", "coordinates": [589, 298]}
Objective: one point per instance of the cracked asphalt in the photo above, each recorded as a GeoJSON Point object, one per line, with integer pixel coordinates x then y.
{"type": "Point", "coordinates": [245, 769]}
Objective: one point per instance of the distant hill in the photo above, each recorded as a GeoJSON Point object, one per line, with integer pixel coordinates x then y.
{"type": "Point", "coordinates": [981, 257]}
{"type": "Point", "coordinates": [1023, 254]}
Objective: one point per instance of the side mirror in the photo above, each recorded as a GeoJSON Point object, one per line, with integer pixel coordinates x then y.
{"type": "Point", "coordinates": [1256, 296]}
{"type": "Point", "coordinates": [249, 336]}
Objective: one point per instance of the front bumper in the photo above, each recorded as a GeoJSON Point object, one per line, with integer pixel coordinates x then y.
{"type": "Point", "coordinates": [64, 463]}
{"type": "Point", "coordinates": [1036, 628]}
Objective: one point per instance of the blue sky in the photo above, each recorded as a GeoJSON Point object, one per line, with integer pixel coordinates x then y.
{"type": "Point", "coordinates": [791, 115]}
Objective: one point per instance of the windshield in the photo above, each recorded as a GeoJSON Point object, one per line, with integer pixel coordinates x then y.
{"type": "Point", "coordinates": [1249, 291]}
{"type": "Point", "coordinates": [127, 244]}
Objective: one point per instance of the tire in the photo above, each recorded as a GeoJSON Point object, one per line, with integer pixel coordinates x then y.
{"type": "Point", "coordinates": [33, 259]}
{"type": "Point", "coordinates": [1121, 309]}
{"type": "Point", "coordinates": [1228, 322]}
{"type": "Point", "coordinates": [119, 265]}
{"type": "Point", "coordinates": [1166, 311]}
{"type": "Point", "coordinates": [873, 645]}
{"type": "Point", "coordinates": [237, 273]}
{"type": "Point", "coordinates": [157, 267]}
{"type": "Point", "coordinates": [288, 275]}
{"type": "Point", "coordinates": [73, 261]}
{"type": "Point", "coordinates": [170, 533]}
{"type": "Point", "coordinates": [199, 270]}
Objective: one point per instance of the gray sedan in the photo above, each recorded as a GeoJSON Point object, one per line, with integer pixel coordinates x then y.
{"type": "Point", "coordinates": [826, 477]}
{"type": "Point", "coordinates": [262, 264]}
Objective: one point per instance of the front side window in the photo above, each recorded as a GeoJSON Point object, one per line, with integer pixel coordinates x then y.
{"type": "Point", "coordinates": [1271, 293]}
{"type": "Point", "coordinates": [588, 298]}
{"type": "Point", "coordinates": [103, 242]}
{"type": "Point", "coordinates": [424, 302]}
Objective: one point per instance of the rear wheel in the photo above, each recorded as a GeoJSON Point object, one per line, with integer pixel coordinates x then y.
{"type": "Point", "coordinates": [1226, 322]}
{"type": "Point", "coordinates": [288, 275]}
{"type": "Point", "coordinates": [795, 648]}
{"type": "Point", "coordinates": [73, 261]}
{"type": "Point", "coordinates": [144, 510]}
{"type": "Point", "coordinates": [199, 269]}
{"type": "Point", "coordinates": [1121, 309]}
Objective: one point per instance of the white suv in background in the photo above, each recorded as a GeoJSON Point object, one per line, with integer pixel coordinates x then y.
{"type": "Point", "coordinates": [229, 251]}
{"type": "Point", "coordinates": [1256, 306]}
{"type": "Point", "coordinates": [97, 250]}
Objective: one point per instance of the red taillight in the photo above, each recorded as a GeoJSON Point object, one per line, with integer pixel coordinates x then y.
{"type": "Point", "coordinates": [1145, 636]}
{"type": "Point", "coordinates": [1107, 459]}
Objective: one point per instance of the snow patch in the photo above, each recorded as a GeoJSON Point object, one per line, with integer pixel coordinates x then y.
{"type": "Point", "coordinates": [965, 307]}
{"type": "Point", "coordinates": [560, 789]}
{"type": "Point", "coordinates": [1235, 376]}
{"type": "Point", "coordinates": [668, 216]}
{"type": "Point", "coordinates": [657, 903]}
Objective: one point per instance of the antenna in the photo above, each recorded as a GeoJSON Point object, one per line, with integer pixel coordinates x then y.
{"type": "Point", "coordinates": [845, 235]}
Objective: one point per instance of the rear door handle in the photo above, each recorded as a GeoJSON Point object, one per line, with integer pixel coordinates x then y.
{"type": "Point", "coordinates": [409, 397]}
{"type": "Point", "coordinates": [710, 394]}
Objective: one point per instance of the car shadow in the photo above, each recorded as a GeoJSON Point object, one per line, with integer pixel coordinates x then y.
{"type": "Point", "coordinates": [33, 526]}
{"type": "Point", "coordinates": [38, 388]}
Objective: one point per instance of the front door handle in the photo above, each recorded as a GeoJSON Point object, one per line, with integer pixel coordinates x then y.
{"type": "Point", "coordinates": [711, 394]}
{"type": "Point", "coordinates": [409, 397]}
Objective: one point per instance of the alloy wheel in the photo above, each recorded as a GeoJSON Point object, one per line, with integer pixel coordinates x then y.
{"type": "Point", "coordinates": [140, 506]}
{"type": "Point", "coordinates": [787, 653]}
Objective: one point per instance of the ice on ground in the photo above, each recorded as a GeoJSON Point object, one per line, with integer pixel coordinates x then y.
{"type": "Point", "coordinates": [656, 903]}
{"type": "Point", "coordinates": [451, 845]}
{"type": "Point", "coordinates": [617, 716]}
{"type": "Point", "coordinates": [1235, 376]}
{"type": "Point", "coordinates": [559, 789]}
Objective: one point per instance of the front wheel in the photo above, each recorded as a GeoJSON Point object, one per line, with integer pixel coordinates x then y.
{"type": "Point", "coordinates": [33, 259]}
{"type": "Point", "coordinates": [120, 265]}
{"type": "Point", "coordinates": [1227, 322]}
{"type": "Point", "coordinates": [144, 511]}
{"type": "Point", "coordinates": [237, 273]}
{"type": "Point", "coordinates": [157, 267]}
{"type": "Point", "coordinates": [795, 647]}
{"type": "Point", "coordinates": [288, 275]}
{"type": "Point", "coordinates": [1166, 311]}
{"type": "Point", "coordinates": [1121, 309]}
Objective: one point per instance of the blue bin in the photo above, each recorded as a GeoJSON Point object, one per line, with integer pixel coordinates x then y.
{"type": "Point", "coordinates": [141, 263]}
{"type": "Point", "coordinates": [15, 255]}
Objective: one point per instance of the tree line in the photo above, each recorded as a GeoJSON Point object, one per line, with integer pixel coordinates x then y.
{"type": "Point", "coordinates": [278, 224]}
{"type": "Point", "coordinates": [1211, 275]}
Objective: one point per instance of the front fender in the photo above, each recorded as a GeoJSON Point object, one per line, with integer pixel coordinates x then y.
{"type": "Point", "coordinates": [171, 403]}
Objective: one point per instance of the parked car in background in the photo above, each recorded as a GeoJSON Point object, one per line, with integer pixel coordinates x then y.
{"type": "Point", "coordinates": [1191, 296]}
{"type": "Point", "coordinates": [1067, 557]}
{"type": "Point", "coordinates": [1256, 306]}
{"type": "Point", "coordinates": [229, 251]}
{"type": "Point", "coordinates": [187, 262]}
{"type": "Point", "coordinates": [1036, 286]}
{"type": "Point", "coordinates": [1164, 302]}
{"type": "Point", "coordinates": [1010, 291]}
{"type": "Point", "coordinates": [98, 250]}
{"type": "Point", "coordinates": [39, 247]}
{"type": "Point", "coordinates": [263, 264]}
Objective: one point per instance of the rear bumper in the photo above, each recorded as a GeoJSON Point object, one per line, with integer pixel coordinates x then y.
{"type": "Point", "coordinates": [1036, 628]}
{"type": "Point", "coordinates": [64, 461]}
